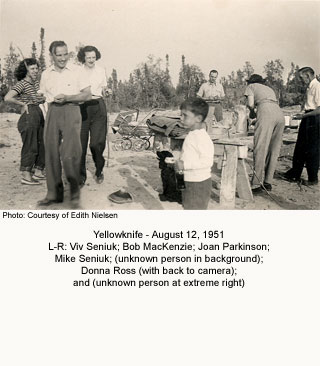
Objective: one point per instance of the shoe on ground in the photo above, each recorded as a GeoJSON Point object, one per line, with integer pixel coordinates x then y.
{"type": "Point", "coordinates": [48, 202]}
{"type": "Point", "coordinates": [257, 190]}
{"type": "Point", "coordinates": [99, 178]}
{"type": "Point", "coordinates": [39, 176]}
{"type": "Point", "coordinates": [289, 177]}
{"type": "Point", "coordinates": [309, 183]}
{"type": "Point", "coordinates": [31, 182]}
{"type": "Point", "coordinates": [120, 196]}
{"type": "Point", "coordinates": [82, 183]}
{"type": "Point", "coordinates": [267, 186]}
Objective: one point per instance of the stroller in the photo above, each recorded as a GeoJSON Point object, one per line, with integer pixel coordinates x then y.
{"type": "Point", "coordinates": [135, 134]}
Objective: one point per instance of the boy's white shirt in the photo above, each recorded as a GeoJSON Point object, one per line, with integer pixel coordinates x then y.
{"type": "Point", "coordinates": [197, 156]}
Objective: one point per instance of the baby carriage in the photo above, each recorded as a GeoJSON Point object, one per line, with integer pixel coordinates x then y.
{"type": "Point", "coordinates": [135, 134]}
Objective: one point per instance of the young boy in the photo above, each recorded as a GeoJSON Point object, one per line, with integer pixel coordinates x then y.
{"type": "Point", "coordinates": [196, 156]}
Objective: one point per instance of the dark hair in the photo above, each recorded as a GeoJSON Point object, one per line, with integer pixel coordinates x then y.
{"type": "Point", "coordinates": [197, 106]}
{"type": "Point", "coordinates": [256, 79]}
{"type": "Point", "coordinates": [307, 70]}
{"type": "Point", "coordinates": [55, 44]}
{"type": "Point", "coordinates": [21, 71]}
{"type": "Point", "coordinates": [215, 71]}
{"type": "Point", "coordinates": [83, 50]}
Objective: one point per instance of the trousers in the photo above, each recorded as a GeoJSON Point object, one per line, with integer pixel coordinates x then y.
{"type": "Point", "coordinates": [30, 127]}
{"type": "Point", "coordinates": [307, 148]}
{"type": "Point", "coordinates": [196, 195]}
{"type": "Point", "coordinates": [267, 142]}
{"type": "Point", "coordinates": [62, 143]}
{"type": "Point", "coordinates": [94, 123]}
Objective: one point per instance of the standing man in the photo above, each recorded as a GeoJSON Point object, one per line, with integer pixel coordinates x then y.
{"type": "Point", "coordinates": [307, 146]}
{"type": "Point", "coordinates": [94, 113]}
{"type": "Point", "coordinates": [213, 93]}
{"type": "Point", "coordinates": [64, 87]}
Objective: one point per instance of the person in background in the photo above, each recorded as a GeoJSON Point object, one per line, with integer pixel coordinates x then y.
{"type": "Point", "coordinates": [94, 113]}
{"type": "Point", "coordinates": [196, 157]}
{"type": "Point", "coordinates": [64, 87]}
{"type": "Point", "coordinates": [213, 92]}
{"type": "Point", "coordinates": [268, 132]}
{"type": "Point", "coordinates": [307, 146]}
{"type": "Point", "coordinates": [30, 125]}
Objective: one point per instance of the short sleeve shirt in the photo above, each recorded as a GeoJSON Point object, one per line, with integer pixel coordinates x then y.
{"type": "Point", "coordinates": [69, 81]}
{"type": "Point", "coordinates": [211, 90]}
{"type": "Point", "coordinates": [27, 92]}
{"type": "Point", "coordinates": [260, 93]}
{"type": "Point", "coordinates": [313, 95]}
{"type": "Point", "coordinates": [96, 79]}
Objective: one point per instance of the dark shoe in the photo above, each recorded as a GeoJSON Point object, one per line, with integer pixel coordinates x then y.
{"type": "Point", "coordinates": [82, 183]}
{"type": "Point", "coordinates": [258, 190]}
{"type": "Point", "coordinates": [267, 186]}
{"type": "Point", "coordinates": [48, 202]}
{"type": "Point", "coordinates": [310, 183]}
{"type": "Point", "coordinates": [99, 179]}
{"type": "Point", "coordinates": [289, 177]}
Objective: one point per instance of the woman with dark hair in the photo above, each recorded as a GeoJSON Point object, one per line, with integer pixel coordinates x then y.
{"type": "Point", "coordinates": [268, 131]}
{"type": "Point", "coordinates": [94, 113]}
{"type": "Point", "coordinates": [30, 125]}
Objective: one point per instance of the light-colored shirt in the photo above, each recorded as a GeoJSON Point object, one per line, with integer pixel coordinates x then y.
{"type": "Point", "coordinates": [260, 93]}
{"type": "Point", "coordinates": [313, 95]}
{"type": "Point", "coordinates": [197, 156]}
{"type": "Point", "coordinates": [70, 81]}
{"type": "Point", "coordinates": [97, 79]}
{"type": "Point", "coordinates": [210, 90]}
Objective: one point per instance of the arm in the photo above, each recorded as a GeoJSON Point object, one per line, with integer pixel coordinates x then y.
{"type": "Point", "coordinates": [11, 98]}
{"type": "Point", "coordinates": [197, 155]}
{"type": "Point", "coordinates": [200, 92]}
{"type": "Point", "coordinates": [83, 96]}
{"type": "Point", "coordinates": [315, 112]}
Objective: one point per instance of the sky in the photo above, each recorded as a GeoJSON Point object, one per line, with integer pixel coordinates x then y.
{"type": "Point", "coordinates": [212, 34]}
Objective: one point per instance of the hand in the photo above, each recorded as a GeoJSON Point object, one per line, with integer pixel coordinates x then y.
{"type": "Point", "coordinates": [40, 99]}
{"type": "Point", "coordinates": [24, 109]}
{"type": "Point", "coordinates": [106, 92]}
{"type": "Point", "coordinates": [298, 116]}
{"type": "Point", "coordinates": [179, 166]}
{"type": "Point", "coordinates": [60, 98]}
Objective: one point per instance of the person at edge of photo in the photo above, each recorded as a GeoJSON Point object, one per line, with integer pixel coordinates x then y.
{"type": "Point", "coordinates": [26, 94]}
{"type": "Point", "coordinates": [307, 147]}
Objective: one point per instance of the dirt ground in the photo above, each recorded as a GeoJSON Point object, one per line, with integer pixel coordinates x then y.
{"type": "Point", "coordinates": [139, 174]}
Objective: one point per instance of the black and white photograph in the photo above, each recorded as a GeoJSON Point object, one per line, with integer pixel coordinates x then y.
{"type": "Point", "coordinates": [149, 105]}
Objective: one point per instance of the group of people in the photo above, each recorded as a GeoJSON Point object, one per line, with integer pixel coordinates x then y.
{"type": "Point", "coordinates": [76, 110]}
{"type": "Point", "coordinates": [270, 123]}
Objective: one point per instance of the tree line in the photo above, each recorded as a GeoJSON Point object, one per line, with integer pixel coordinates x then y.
{"type": "Point", "coordinates": [150, 85]}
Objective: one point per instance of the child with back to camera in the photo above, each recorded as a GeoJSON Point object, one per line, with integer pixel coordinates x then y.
{"type": "Point", "coordinates": [196, 157]}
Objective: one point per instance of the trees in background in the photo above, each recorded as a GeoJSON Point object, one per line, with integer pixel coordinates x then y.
{"type": "Point", "coordinates": [150, 85]}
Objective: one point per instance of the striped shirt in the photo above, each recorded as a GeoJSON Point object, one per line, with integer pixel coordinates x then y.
{"type": "Point", "coordinates": [27, 92]}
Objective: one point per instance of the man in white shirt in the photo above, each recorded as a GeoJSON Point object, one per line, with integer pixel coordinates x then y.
{"type": "Point", "coordinates": [64, 88]}
{"type": "Point", "coordinates": [94, 113]}
{"type": "Point", "coordinates": [307, 147]}
{"type": "Point", "coordinates": [212, 92]}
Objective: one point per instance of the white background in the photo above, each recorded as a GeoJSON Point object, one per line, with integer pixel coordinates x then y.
{"type": "Point", "coordinates": [274, 320]}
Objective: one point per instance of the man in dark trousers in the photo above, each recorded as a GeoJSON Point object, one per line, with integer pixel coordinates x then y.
{"type": "Point", "coordinates": [307, 147]}
{"type": "Point", "coordinates": [64, 88]}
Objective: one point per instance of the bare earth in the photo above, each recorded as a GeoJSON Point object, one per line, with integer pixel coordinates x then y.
{"type": "Point", "coordinates": [139, 174]}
